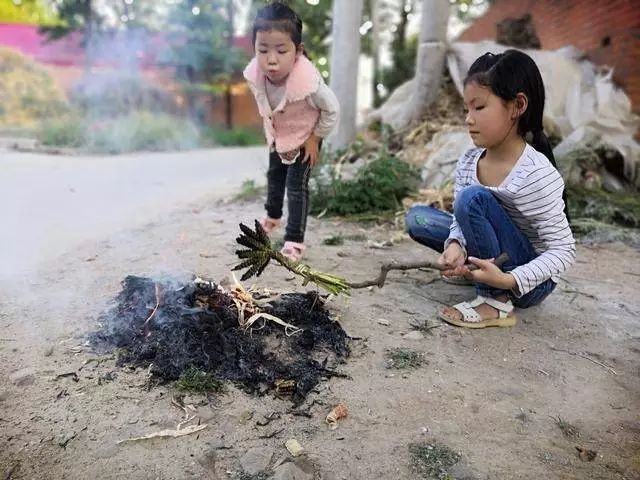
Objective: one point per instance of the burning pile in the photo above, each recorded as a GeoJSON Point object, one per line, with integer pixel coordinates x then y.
{"type": "Point", "coordinates": [259, 343]}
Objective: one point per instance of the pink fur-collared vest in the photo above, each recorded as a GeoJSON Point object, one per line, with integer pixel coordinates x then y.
{"type": "Point", "coordinates": [289, 124]}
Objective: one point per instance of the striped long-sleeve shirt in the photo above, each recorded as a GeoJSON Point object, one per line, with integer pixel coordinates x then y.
{"type": "Point", "coordinates": [532, 197]}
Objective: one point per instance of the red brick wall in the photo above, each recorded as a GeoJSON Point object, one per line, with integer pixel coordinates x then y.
{"type": "Point", "coordinates": [585, 24]}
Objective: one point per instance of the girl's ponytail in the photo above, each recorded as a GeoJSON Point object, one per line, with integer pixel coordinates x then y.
{"type": "Point", "coordinates": [540, 142]}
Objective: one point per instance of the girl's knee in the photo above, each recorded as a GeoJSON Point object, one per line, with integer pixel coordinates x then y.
{"type": "Point", "coordinates": [416, 219]}
{"type": "Point", "coordinates": [423, 221]}
{"type": "Point", "coordinates": [467, 195]}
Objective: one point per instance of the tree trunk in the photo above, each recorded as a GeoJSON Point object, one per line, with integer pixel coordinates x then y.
{"type": "Point", "coordinates": [375, 48]}
{"type": "Point", "coordinates": [345, 53]}
{"type": "Point", "coordinates": [434, 20]}
{"type": "Point", "coordinates": [228, 93]}
{"type": "Point", "coordinates": [89, 34]}
{"type": "Point", "coordinates": [430, 56]}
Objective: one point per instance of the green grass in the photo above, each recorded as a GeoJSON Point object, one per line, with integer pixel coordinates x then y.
{"type": "Point", "coordinates": [67, 131]}
{"type": "Point", "coordinates": [403, 358]}
{"type": "Point", "coordinates": [568, 430]}
{"type": "Point", "coordinates": [142, 131]}
{"type": "Point", "coordinates": [431, 461]}
{"type": "Point", "coordinates": [237, 137]}
{"type": "Point", "coordinates": [197, 381]}
{"type": "Point", "coordinates": [136, 131]}
{"type": "Point", "coordinates": [377, 189]}
{"type": "Point", "coordinates": [249, 191]}
{"type": "Point", "coordinates": [425, 326]}
{"type": "Point", "coordinates": [339, 239]}
{"type": "Point", "coordinates": [621, 208]}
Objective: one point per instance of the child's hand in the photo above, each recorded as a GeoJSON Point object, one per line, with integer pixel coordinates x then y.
{"type": "Point", "coordinates": [311, 150]}
{"type": "Point", "coordinates": [489, 273]}
{"type": "Point", "coordinates": [451, 259]}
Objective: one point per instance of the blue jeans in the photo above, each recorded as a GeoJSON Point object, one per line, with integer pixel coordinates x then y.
{"type": "Point", "coordinates": [488, 230]}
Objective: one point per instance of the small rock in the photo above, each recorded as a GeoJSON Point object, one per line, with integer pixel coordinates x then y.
{"type": "Point", "coordinates": [384, 322]}
{"type": "Point", "coordinates": [4, 395]}
{"type": "Point", "coordinates": [24, 376]}
{"type": "Point", "coordinates": [415, 335]}
{"type": "Point", "coordinates": [294, 447]}
{"type": "Point", "coordinates": [586, 455]}
{"type": "Point", "coordinates": [48, 351]}
{"type": "Point", "coordinates": [289, 471]}
{"type": "Point", "coordinates": [245, 416]}
{"type": "Point", "coordinates": [256, 460]}
{"type": "Point", "coordinates": [208, 460]}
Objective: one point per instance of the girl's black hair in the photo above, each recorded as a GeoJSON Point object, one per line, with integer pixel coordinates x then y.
{"type": "Point", "coordinates": [508, 74]}
{"type": "Point", "coordinates": [278, 16]}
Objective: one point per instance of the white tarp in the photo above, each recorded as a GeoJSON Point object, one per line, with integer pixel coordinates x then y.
{"type": "Point", "coordinates": [442, 154]}
{"type": "Point", "coordinates": [582, 102]}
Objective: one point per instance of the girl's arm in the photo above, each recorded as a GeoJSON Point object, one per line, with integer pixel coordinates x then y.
{"type": "Point", "coordinates": [455, 232]}
{"type": "Point", "coordinates": [325, 100]}
{"type": "Point", "coordinates": [541, 204]}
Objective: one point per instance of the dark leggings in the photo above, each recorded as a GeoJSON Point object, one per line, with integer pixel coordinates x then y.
{"type": "Point", "coordinates": [295, 179]}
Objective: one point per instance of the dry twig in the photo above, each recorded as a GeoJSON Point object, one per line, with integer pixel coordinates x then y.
{"type": "Point", "coordinates": [155, 309]}
{"type": "Point", "coordinates": [586, 357]}
{"type": "Point", "coordinates": [259, 252]}
{"type": "Point", "coordinates": [387, 267]}
{"type": "Point", "coordinates": [167, 433]}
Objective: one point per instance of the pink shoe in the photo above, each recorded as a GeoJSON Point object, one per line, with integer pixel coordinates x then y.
{"type": "Point", "coordinates": [270, 224]}
{"type": "Point", "coordinates": [293, 251]}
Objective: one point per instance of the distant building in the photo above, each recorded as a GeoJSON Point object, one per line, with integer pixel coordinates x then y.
{"type": "Point", "coordinates": [607, 32]}
{"type": "Point", "coordinates": [135, 50]}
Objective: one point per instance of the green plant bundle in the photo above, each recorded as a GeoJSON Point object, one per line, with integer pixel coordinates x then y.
{"type": "Point", "coordinates": [259, 251]}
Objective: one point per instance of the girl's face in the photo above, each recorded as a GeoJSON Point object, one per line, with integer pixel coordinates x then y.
{"type": "Point", "coordinates": [490, 119]}
{"type": "Point", "coordinates": [276, 54]}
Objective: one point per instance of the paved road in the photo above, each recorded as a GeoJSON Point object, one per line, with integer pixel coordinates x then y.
{"type": "Point", "coordinates": [50, 203]}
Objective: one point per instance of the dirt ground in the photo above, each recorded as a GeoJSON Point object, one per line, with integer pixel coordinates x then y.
{"type": "Point", "coordinates": [494, 396]}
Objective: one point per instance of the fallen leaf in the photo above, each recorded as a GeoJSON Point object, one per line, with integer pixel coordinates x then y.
{"type": "Point", "coordinates": [586, 455]}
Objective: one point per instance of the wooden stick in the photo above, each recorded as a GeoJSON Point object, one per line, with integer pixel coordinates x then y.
{"type": "Point", "coordinates": [384, 270]}
{"type": "Point", "coordinates": [586, 357]}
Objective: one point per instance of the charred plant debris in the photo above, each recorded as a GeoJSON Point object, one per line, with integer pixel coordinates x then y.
{"type": "Point", "coordinates": [195, 332]}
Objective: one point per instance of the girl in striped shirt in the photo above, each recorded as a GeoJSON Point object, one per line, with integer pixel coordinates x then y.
{"type": "Point", "coordinates": [509, 197]}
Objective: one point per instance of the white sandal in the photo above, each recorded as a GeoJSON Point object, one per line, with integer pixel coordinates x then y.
{"type": "Point", "coordinates": [472, 319]}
